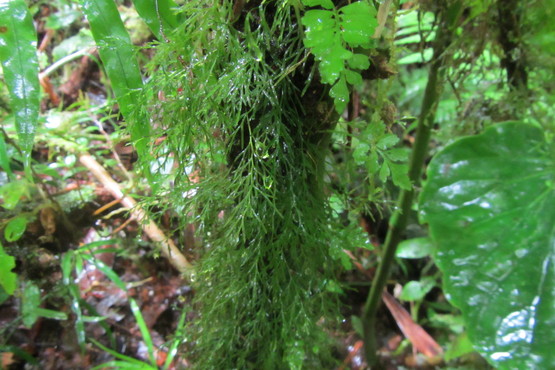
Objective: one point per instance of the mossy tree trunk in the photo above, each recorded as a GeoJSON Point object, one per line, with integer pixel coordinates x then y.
{"type": "Point", "coordinates": [241, 106]}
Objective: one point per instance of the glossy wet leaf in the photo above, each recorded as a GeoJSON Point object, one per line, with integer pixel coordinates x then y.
{"type": "Point", "coordinates": [158, 15]}
{"type": "Point", "coordinates": [340, 93]}
{"type": "Point", "coordinates": [415, 248]}
{"type": "Point", "coordinates": [416, 290]}
{"type": "Point", "coordinates": [15, 228]}
{"type": "Point", "coordinates": [8, 279]}
{"type": "Point", "coordinates": [18, 46]}
{"type": "Point", "coordinates": [118, 56]}
{"type": "Point", "coordinates": [489, 203]}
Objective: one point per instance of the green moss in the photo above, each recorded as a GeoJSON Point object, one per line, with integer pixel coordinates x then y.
{"type": "Point", "coordinates": [232, 108]}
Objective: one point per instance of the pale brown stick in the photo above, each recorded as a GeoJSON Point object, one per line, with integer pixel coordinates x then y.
{"type": "Point", "coordinates": [169, 249]}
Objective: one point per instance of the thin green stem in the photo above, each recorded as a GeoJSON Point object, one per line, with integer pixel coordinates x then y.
{"type": "Point", "coordinates": [398, 221]}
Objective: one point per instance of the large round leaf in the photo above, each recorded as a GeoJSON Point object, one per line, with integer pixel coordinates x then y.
{"type": "Point", "coordinates": [490, 203]}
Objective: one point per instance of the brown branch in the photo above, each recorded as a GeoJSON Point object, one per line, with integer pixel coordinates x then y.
{"type": "Point", "coordinates": [168, 248]}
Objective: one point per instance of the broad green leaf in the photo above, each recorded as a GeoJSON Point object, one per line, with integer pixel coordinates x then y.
{"type": "Point", "coordinates": [489, 203]}
{"type": "Point", "coordinates": [415, 248]}
{"type": "Point", "coordinates": [8, 279]}
{"type": "Point", "coordinates": [158, 15]}
{"type": "Point", "coordinates": [416, 290]}
{"type": "Point", "coordinates": [18, 45]}
{"type": "Point", "coordinates": [15, 228]}
{"type": "Point", "coordinates": [326, 4]}
{"type": "Point", "coordinates": [117, 54]}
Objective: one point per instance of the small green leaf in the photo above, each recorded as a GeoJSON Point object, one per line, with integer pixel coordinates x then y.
{"type": "Point", "coordinates": [333, 63]}
{"type": "Point", "coordinates": [295, 355]}
{"type": "Point", "coordinates": [340, 94]}
{"type": "Point", "coordinates": [359, 61]}
{"type": "Point", "coordinates": [18, 54]}
{"type": "Point", "coordinates": [8, 279]}
{"type": "Point", "coordinates": [458, 347]}
{"type": "Point", "coordinates": [387, 141]}
{"type": "Point", "coordinates": [360, 153]}
{"type": "Point", "coordinates": [372, 164]}
{"type": "Point", "coordinates": [415, 248]}
{"type": "Point", "coordinates": [358, 22]}
{"type": "Point", "coordinates": [400, 175]}
{"type": "Point", "coordinates": [12, 192]}
{"type": "Point", "coordinates": [416, 290]}
{"type": "Point", "coordinates": [333, 287]}
{"type": "Point", "coordinates": [398, 154]}
{"type": "Point", "coordinates": [489, 203]}
{"type": "Point", "coordinates": [384, 172]}
{"type": "Point", "coordinates": [15, 228]}
{"type": "Point", "coordinates": [326, 4]}
{"type": "Point", "coordinates": [29, 304]}
{"type": "Point", "coordinates": [318, 20]}
{"type": "Point", "coordinates": [357, 325]}
{"type": "Point", "coordinates": [354, 78]}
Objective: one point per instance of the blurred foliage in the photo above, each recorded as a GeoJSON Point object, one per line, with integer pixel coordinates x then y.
{"type": "Point", "coordinates": [274, 129]}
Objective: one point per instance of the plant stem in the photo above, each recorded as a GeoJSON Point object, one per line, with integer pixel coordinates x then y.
{"type": "Point", "coordinates": [399, 218]}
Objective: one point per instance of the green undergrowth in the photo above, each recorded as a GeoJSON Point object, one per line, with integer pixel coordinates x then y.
{"type": "Point", "coordinates": [239, 116]}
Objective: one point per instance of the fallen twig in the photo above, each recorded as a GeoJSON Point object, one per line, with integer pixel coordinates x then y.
{"type": "Point", "coordinates": [168, 248]}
